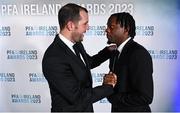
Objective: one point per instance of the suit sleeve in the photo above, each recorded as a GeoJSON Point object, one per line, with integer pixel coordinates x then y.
{"type": "Point", "coordinates": [140, 71]}
{"type": "Point", "coordinates": [99, 58]}
{"type": "Point", "coordinates": [61, 76]}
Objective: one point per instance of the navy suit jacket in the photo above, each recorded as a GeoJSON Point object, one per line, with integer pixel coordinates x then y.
{"type": "Point", "coordinates": [70, 80]}
{"type": "Point", "coordinates": [134, 88]}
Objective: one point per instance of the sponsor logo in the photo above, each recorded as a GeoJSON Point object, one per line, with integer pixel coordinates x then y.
{"type": "Point", "coordinates": [164, 54]}
{"type": "Point", "coordinates": [97, 77]}
{"type": "Point", "coordinates": [96, 31]}
{"type": "Point", "coordinates": [5, 31]}
{"type": "Point", "coordinates": [19, 98]}
{"type": "Point", "coordinates": [145, 31]}
{"type": "Point", "coordinates": [36, 77]}
{"type": "Point", "coordinates": [41, 30]}
{"type": "Point", "coordinates": [22, 54]}
{"type": "Point", "coordinates": [7, 77]}
{"type": "Point", "coordinates": [104, 100]}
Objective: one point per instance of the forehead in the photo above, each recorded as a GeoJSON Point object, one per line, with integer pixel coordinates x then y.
{"type": "Point", "coordinates": [84, 15]}
{"type": "Point", "coordinates": [112, 20]}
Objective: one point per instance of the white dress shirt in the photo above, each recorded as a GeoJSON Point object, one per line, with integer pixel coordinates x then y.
{"type": "Point", "coordinates": [120, 48]}
{"type": "Point", "coordinates": [70, 45]}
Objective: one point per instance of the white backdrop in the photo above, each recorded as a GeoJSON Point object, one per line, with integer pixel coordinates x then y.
{"type": "Point", "coordinates": [27, 27]}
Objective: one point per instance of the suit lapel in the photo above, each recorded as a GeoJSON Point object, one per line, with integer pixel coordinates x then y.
{"type": "Point", "coordinates": [84, 55]}
{"type": "Point", "coordinates": [76, 58]}
{"type": "Point", "coordinates": [123, 56]}
{"type": "Point", "coordinates": [87, 65]}
{"type": "Point", "coordinates": [126, 48]}
{"type": "Point", "coordinates": [68, 50]}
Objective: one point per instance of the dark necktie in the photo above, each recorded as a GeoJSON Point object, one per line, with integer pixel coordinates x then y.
{"type": "Point", "coordinates": [115, 60]}
{"type": "Point", "coordinates": [77, 51]}
{"type": "Point", "coordinates": [78, 48]}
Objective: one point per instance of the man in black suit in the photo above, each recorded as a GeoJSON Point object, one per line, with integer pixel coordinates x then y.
{"type": "Point", "coordinates": [132, 64]}
{"type": "Point", "coordinates": [66, 65]}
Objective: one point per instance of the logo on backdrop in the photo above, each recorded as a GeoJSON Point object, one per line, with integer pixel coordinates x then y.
{"type": "Point", "coordinates": [52, 9]}
{"type": "Point", "coordinates": [144, 30]}
{"type": "Point", "coordinates": [20, 98]}
{"type": "Point", "coordinates": [96, 31]}
{"type": "Point", "coordinates": [7, 77]}
{"type": "Point", "coordinates": [103, 101]}
{"type": "Point", "coordinates": [5, 31]}
{"type": "Point", "coordinates": [22, 54]}
{"type": "Point", "coordinates": [97, 77]}
{"type": "Point", "coordinates": [164, 54]}
{"type": "Point", "coordinates": [100, 31]}
{"type": "Point", "coordinates": [36, 77]}
{"type": "Point", "coordinates": [41, 30]}
{"type": "Point", "coordinates": [29, 9]}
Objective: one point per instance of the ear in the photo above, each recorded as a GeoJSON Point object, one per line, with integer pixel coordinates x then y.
{"type": "Point", "coordinates": [70, 26]}
{"type": "Point", "coordinates": [126, 30]}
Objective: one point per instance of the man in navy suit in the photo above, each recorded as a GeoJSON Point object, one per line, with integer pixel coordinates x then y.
{"type": "Point", "coordinates": [66, 65]}
{"type": "Point", "coordinates": [132, 64]}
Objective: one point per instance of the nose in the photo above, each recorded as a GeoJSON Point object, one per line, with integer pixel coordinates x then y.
{"type": "Point", "coordinates": [107, 30]}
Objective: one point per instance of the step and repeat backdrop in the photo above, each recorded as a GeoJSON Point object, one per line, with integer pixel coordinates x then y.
{"type": "Point", "coordinates": [27, 27]}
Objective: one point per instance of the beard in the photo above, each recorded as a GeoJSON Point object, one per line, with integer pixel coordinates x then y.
{"type": "Point", "coordinates": [80, 38]}
{"type": "Point", "coordinates": [109, 40]}
{"type": "Point", "coordinates": [77, 37]}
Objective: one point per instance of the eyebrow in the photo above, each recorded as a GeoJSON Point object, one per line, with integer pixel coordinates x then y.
{"type": "Point", "coordinates": [111, 24]}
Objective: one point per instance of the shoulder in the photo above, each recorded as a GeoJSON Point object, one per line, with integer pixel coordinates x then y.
{"type": "Point", "coordinates": [134, 46]}
{"type": "Point", "coordinates": [137, 50]}
{"type": "Point", "coordinates": [54, 54]}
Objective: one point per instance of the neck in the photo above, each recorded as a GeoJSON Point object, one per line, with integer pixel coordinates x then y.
{"type": "Point", "coordinates": [121, 41]}
{"type": "Point", "coordinates": [67, 35]}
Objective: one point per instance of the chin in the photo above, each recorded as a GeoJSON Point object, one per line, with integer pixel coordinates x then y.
{"type": "Point", "coordinates": [80, 40]}
{"type": "Point", "coordinates": [109, 42]}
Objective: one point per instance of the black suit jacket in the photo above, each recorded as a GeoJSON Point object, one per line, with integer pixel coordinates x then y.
{"type": "Point", "coordinates": [70, 80]}
{"type": "Point", "coordinates": [134, 88]}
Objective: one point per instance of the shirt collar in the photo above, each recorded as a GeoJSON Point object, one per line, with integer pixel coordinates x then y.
{"type": "Point", "coordinates": [122, 45]}
{"type": "Point", "coordinates": [66, 41]}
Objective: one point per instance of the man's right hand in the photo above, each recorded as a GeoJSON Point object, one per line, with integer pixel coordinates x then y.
{"type": "Point", "coordinates": [112, 47]}
{"type": "Point", "coordinates": [110, 79]}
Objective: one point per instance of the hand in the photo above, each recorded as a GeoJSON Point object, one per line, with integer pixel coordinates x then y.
{"type": "Point", "coordinates": [112, 47]}
{"type": "Point", "coordinates": [110, 79]}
